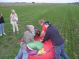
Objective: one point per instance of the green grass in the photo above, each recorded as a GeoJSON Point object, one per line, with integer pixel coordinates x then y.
{"type": "Point", "coordinates": [64, 16]}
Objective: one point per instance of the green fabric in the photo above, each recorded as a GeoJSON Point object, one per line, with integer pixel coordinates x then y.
{"type": "Point", "coordinates": [35, 45]}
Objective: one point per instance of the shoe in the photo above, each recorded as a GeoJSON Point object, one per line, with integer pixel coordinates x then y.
{"type": "Point", "coordinates": [4, 33]}
{"type": "Point", "coordinates": [0, 34]}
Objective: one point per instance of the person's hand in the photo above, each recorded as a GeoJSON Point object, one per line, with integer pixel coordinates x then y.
{"type": "Point", "coordinates": [21, 43]}
{"type": "Point", "coordinates": [41, 40]}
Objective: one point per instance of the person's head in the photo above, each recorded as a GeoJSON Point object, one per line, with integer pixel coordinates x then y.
{"type": "Point", "coordinates": [13, 11]}
{"type": "Point", "coordinates": [30, 28]}
{"type": "Point", "coordinates": [47, 23]}
{"type": "Point", "coordinates": [41, 22]}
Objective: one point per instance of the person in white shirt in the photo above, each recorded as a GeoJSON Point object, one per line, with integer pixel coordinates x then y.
{"type": "Point", "coordinates": [14, 21]}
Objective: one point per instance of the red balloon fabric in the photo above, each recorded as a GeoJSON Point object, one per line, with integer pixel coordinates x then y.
{"type": "Point", "coordinates": [48, 48]}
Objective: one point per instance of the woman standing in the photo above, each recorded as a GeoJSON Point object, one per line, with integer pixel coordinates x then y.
{"type": "Point", "coordinates": [2, 25]}
{"type": "Point", "coordinates": [14, 21]}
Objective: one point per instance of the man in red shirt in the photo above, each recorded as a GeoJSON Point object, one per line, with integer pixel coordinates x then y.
{"type": "Point", "coordinates": [44, 28]}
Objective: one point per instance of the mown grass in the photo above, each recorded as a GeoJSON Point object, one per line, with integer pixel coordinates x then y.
{"type": "Point", "coordinates": [64, 16]}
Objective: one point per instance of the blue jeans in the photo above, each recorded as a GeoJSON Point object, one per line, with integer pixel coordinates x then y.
{"type": "Point", "coordinates": [22, 53]}
{"type": "Point", "coordinates": [59, 51]}
{"type": "Point", "coordinates": [1, 28]}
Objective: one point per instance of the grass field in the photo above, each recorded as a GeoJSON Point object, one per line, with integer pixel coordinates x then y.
{"type": "Point", "coordinates": [64, 16]}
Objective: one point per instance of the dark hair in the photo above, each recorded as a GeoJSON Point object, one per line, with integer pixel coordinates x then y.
{"type": "Point", "coordinates": [47, 22]}
{"type": "Point", "coordinates": [38, 32]}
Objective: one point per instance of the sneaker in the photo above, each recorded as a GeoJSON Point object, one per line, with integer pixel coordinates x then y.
{"type": "Point", "coordinates": [4, 33]}
{"type": "Point", "coordinates": [0, 34]}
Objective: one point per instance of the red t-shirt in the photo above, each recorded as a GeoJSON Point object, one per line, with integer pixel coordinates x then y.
{"type": "Point", "coordinates": [44, 28]}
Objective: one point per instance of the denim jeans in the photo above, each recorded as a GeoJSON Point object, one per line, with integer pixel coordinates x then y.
{"type": "Point", "coordinates": [22, 54]}
{"type": "Point", "coordinates": [1, 28]}
{"type": "Point", "coordinates": [59, 51]}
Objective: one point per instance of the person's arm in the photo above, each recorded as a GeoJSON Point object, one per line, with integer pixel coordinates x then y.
{"type": "Point", "coordinates": [16, 17]}
{"type": "Point", "coordinates": [10, 18]}
{"type": "Point", "coordinates": [22, 40]}
{"type": "Point", "coordinates": [2, 19]}
{"type": "Point", "coordinates": [43, 32]}
{"type": "Point", "coordinates": [46, 37]}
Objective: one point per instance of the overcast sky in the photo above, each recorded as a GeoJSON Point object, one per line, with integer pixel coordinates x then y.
{"type": "Point", "coordinates": [40, 1]}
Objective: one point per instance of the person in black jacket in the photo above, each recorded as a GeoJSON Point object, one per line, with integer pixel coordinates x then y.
{"type": "Point", "coordinates": [53, 34]}
{"type": "Point", "coordinates": [1, 25]}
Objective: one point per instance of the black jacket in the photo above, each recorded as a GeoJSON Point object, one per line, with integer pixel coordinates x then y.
{"type": "Point", "coordinates": [1, 19]}
{"type": "Point", "coordinates": [53, 34]}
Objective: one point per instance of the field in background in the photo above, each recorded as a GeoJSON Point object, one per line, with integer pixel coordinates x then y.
{"type": "Point", "coordinates": [64, 16]}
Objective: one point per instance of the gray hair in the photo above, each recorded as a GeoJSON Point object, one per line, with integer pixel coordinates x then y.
{"type": "Point", "coordinates": [28, 27]}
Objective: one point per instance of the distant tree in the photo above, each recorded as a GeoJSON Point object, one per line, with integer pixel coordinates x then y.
{"type": "Point", "coordinates": [33, 2]}
{"type": "Point", "coordinates": [76, 2]}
